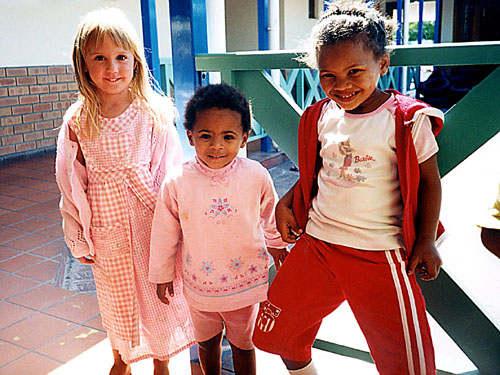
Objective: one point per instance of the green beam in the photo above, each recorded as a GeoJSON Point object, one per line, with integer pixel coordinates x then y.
{"type": "Point", "coordinates": [274, 110]}
{"type": "Point", "coordinates": [477, 53]}
{"type": "Point", "coordinates": [473, 332]}
{"type": "Point", "coordinates": [470, 123]}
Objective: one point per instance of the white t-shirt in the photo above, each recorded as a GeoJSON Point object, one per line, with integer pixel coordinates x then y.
{"type": "Point", "coordinates": [359, 199]}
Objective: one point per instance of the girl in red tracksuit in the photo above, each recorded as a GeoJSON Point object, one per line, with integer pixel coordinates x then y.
{"type": "Point", "coordinates": [361, 228]}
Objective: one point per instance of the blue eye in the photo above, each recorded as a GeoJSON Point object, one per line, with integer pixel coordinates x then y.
{"type": "Point", "coordinates": [122, 57]}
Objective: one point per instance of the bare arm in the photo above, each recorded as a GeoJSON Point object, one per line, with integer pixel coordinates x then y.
{"type": "Point", "coordinates": [425, 257]}
{"type": "Point", "coordinates": [285, 219]}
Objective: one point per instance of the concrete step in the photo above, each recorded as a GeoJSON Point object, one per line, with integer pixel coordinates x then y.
{"type": "Point", "coordinates": [268, 159]}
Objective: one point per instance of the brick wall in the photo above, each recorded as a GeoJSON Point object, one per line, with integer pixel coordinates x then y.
{"type": "Point", "coordinates": [33, 101]}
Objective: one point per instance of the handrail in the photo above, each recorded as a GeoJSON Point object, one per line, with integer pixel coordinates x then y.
{"type": "Point", "coordinates": [470, 53]}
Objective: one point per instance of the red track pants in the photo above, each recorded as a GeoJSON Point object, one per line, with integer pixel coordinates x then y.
{"type": "Point", "coordinates": [388, 305]}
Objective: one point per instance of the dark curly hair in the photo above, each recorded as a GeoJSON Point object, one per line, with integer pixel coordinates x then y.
{"type": "Point", "coordinates": [220, 96]}
{"type": "Point", "coordinates": [352, 20]}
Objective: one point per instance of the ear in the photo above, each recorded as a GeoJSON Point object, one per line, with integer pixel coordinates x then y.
{"type": "Point", "coordinates": [384, 61]}
{"type": "Point", "coordinates": [245, 139]}
{"type": "Point", "coordinates": [189, 134]}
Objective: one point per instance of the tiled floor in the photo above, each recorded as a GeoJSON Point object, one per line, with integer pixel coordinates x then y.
{"type": "Point", "coordinates": [45, 329]}
{"type": "Point", "coordinates": [41, 325]}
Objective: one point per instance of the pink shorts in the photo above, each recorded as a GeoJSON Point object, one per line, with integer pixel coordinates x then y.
{"type": "Point", "coordinates": [239, 325]}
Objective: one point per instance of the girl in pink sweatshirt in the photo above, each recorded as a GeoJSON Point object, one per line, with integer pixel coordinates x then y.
{"type": "Point", "coordinates": [216, 212]}
{"type": "Point", "coordinates": [115, 146]}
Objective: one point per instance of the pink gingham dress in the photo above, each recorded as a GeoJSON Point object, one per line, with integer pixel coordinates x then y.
{"type": "Point", "coordinates": [122, 195]}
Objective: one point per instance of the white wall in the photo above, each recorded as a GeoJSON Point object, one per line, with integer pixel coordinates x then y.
{"type": "Point", "coordinates": [241, 25]}
{"type": "Point", "coordinates": [296, 24]}
{"type": "Point", "coordinates": [41, 32]}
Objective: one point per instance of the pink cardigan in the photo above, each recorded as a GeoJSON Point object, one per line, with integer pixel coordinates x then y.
{"type": "Point", "coordinates": [71, 177]}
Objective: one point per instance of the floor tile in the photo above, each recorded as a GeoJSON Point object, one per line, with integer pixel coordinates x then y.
{"type": "Point", "coordinates": [32, 364]}
{"type": "Point", "coordinates": [12, 285]}
{"type": "Point", "coordinates": [18, 263]}
{"type": "Point", "coordinates": [46, 186]}
{"type": "Point", "coordinates": [50, 250]}
{"type": "Point", "coordinates": [16, 204]}
{"type": "Point", "coordinates": [96, 323]}
{"type": "Point", "coordinates": [11, 313]}
{"type": "Point", "coordinates": [45, 271]}
{"type": "Point", "coordinates": [33, 225]}
{"type": "Point", "coordinates": [42, 196]}
{"type": "Point", "coordinates": [54, 231]}
{"type": "Point", "coordinates": [68, 346]}
{"type": "Point", "coordinates": [28, 242]}
{"type": "Point", "coordinates": [13, 218]}
{"type": "Point", "coordinates": [54, 215]}
{"type": "Point", "coordinates": [35, 330]}
{"type": "Point", "coordinates": [4, 198]}
{"type": "Point", "coordinates": [21, 181]}
{"type": "Point", "coordinates": [77, 309]}
{"type": "Point", "coordinates": [3, 211]}
{"type": "Point", "coordinates": [9, 234]}
{"type": "Point", "coordinates": [17, 192]}
{"type": "Point", "coordinates": [9, 353]}
{"type": "Point", "coordinates": [41, 297]}
{"type": "Point", "coordinates": [38, 209]}
{"type": "Point", "coordinates": [6, 253]}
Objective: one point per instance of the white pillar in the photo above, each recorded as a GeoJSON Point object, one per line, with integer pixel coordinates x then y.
{"type": "Point", "coordinates": [274, 33]}
{"type": "Point", "coordinates": [216, 31]}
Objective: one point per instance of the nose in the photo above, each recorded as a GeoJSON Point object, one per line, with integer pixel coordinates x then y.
{"type": "Point", "coordinates": [217, 142]}
{"type": "Point", "coordinates": [342, 83]}
{"type": "Point", "coordinates": [111, 66]}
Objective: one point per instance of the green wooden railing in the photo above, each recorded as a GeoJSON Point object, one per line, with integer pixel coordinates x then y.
{"type": "Point", "coordinates": [469, 124]}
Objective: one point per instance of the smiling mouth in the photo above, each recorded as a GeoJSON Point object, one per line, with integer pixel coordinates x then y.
{"type": "Point", "coordinates": [346, 97]}
{"type": "Point", "coordinates": [113, 79]}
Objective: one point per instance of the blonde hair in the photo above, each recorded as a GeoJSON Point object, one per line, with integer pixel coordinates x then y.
{"type": "Point", "coordinates": [92, 29]}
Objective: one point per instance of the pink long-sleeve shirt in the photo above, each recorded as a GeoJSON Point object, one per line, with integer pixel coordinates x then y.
{"type": "Point", "coordinates": [222, 220]}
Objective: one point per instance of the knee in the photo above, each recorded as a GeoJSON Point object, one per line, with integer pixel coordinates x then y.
{"type": "Point", "coordinates": [212, 343]}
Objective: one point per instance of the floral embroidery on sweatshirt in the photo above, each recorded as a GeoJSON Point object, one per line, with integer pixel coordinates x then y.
{"type": "Point", "coordinates": [220, 206]}
{"type": "Point", "coordinates": [238, 275]}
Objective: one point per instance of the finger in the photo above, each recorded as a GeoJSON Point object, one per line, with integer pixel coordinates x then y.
{"type": "Point", "coordinates": [410, 270]}
{"type": "Point", "coordinates": [431, 274]}
{"type": "Point", "coordinates": [85, 260]}
{"type": "Point", "coordinates": [165, 300]}
{"type": "Point", "coordinates": [170, 287]}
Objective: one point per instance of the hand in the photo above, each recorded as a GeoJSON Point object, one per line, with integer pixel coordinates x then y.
{"type": "Point", "coordinates": [86, 260]}
{"type": "Point", "coordinates": [162, 288]}
{"type": "Point", "coordinates": [425, 260]}
{"type": "Point", "coordinates": [286, 223]}
{"type": "Point", "coordinates": [278, 255]}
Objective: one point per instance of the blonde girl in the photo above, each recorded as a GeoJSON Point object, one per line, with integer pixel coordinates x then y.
{"type": "Point", "coordinates": [116, 144]}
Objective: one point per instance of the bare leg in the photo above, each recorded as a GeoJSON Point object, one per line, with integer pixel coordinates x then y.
{"type": "Point", "coordinates": [243, 361]}
{"type": "Point", "coordinates": [161, 367]}
{"type": "Point", "coordinates": [292, 365]}
{"type": "Point", "coordinates": [209, 352]}
{"type": "Point", "coordinates": [119, 367]}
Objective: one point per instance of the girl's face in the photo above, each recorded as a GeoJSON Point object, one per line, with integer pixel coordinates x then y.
{"type": "Point", "coordinates": [217, 136]}
{"type": "Point", "coordinates": [111, 68]}
{"type": "Point", "coordinates": [349, 73]}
